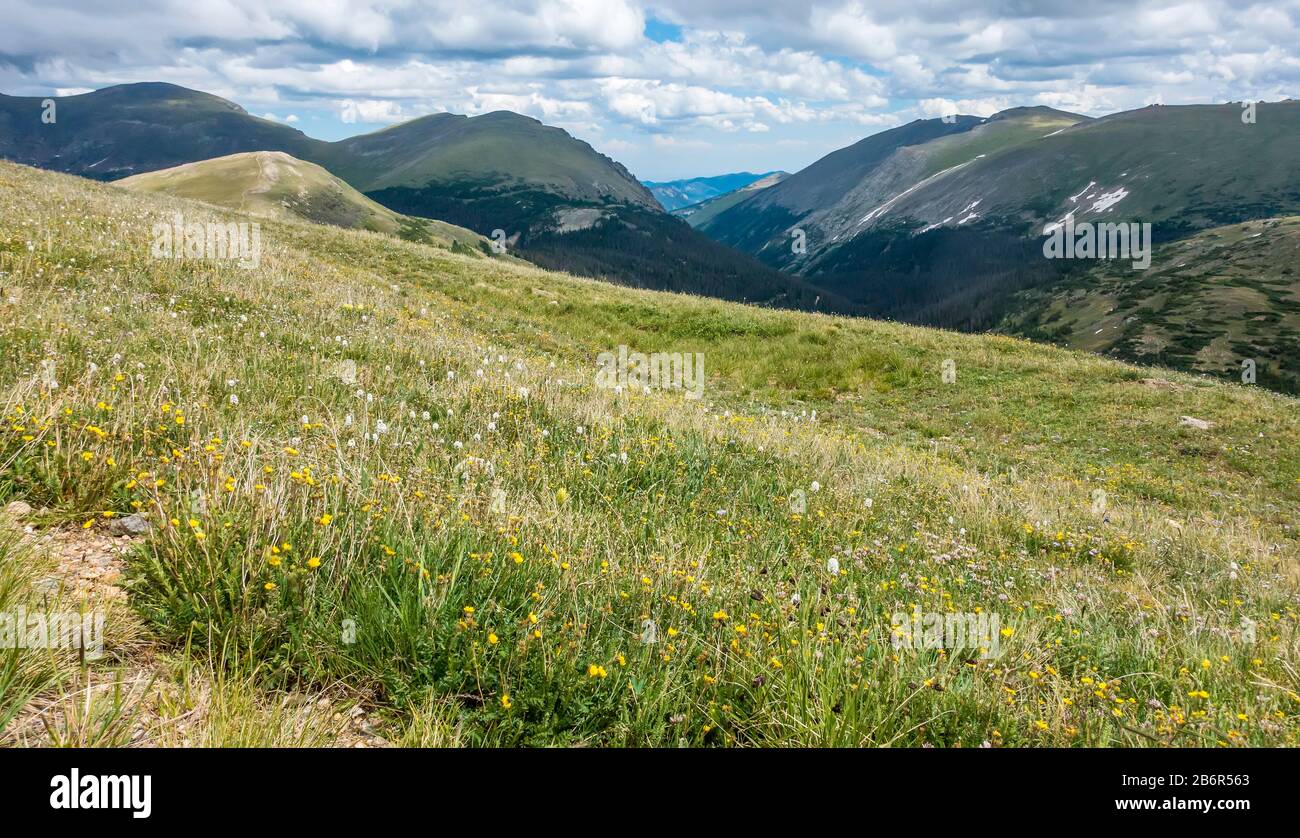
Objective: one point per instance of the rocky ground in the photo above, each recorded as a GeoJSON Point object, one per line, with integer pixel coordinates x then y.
{"type": "Point", "coordinates": [131, 695]}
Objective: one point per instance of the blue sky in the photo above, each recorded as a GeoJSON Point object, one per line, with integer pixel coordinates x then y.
{"type": "Point", "coordinates": [672, 88]}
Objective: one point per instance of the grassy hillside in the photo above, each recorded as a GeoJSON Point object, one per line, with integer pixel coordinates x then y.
{"type": "Point", "coordinates": [273, 184]}
{"type": "Point", "coordinates": [323, 526]}
{"type": "Point", "coordinates": [1207, 303]}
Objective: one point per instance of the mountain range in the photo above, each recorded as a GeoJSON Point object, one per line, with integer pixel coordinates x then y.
{"type": "Point", "coordinates": [554, 199]}
{"type": "Point", "coordinates": [941, 222]}
{"type": "Point", "coordinates": [937, 222]}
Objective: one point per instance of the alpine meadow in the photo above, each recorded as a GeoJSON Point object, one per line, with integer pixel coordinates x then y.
{"type": "Point", "coordinates": [929, 392]}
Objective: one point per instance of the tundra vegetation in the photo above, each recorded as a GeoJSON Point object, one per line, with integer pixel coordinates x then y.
{"type": "Point", "coordinates": [382, 472]}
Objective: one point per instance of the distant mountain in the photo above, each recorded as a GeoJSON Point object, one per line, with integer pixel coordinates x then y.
{"type": "Point", "coordinates": [554, 199]}
{"type": "Point", "coordinates": [276, 185]}
{"type": "Point", "coordinates": [700, 214]}
{"type": "Point", "coordinates": [675, 194]}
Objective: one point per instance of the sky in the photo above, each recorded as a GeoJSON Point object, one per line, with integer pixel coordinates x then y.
{"type": "Point", "coordinates": [674, 88]}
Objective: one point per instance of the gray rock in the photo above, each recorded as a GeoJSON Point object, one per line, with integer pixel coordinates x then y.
{"type": "Point", "coordinates": [132, 525]}
{"type": "Point", "coordinates": [1193, 422]}
{"type": "Point", "coordinates": [18, 510]}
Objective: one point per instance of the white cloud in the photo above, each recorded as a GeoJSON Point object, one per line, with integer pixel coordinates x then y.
{"type": "Point", "coordinates": [799, 72]}
{"type": "Point", "coordinates": [371, 111]}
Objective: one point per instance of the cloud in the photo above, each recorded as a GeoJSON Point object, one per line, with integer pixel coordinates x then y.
{"type": "Point", "coordinates": [371, 111]}
{"type": "Point", "coordinates": [799, 72]}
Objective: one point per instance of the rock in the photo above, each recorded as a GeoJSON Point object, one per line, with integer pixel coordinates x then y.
{"type": "Point", "coordinates": [131, 525]}
{"type": "Point", "coordinates": [18, 510]}
{"type": "Point", "coordinates": [1193, 422]}
{"type": "Point", "coordinates": [1158, 383]}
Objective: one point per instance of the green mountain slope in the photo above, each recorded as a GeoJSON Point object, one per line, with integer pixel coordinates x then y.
{"type": "Point", "coordinates": [133, 128]}
{"type": "Point", "coordinates": [381, 464]}
{"type": "Point", "coordinates": [274, 184]}
{"type": "Point", "coordinates": [828, 199]}
{"type": "Point", "coordinates": [1209, 302]}
{"type": "Point", "coordinates": [500, 149]}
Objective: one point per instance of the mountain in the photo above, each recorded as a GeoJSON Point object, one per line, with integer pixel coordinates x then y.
{"type": "Point", "coordinates": [830, 199]}
{"type": "Point", "coordinates": [1208, 303]}
{"type": "Point", "coordinates": [276, 185]}
{"type": "Point", "coordinates": [554, 199]}
{"type": "Point", "coordinates": [675, 194]}
{"type": "Point", "coordinates": [132, 128]}
{"type": "Point", "coordinates": [379, 464]}
{"type": "Point", "coordinates": [943, 223]}
{"type": "Point", "coordinates": [702, 213]}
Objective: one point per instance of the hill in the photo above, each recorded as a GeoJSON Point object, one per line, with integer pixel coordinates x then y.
{"type": "Point", "coordinates": [128, 129]}
{"type": "Point", "coordinates": [376, 473]}
{"type": "Point", "coordinates": [275, 185]}
{"type": "Point", "coordinates": [554, 199]}
{"type": "Point", "coordinates": [1208, 303]}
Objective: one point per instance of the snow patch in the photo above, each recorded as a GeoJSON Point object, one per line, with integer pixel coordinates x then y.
{"type": "Point", "coordinates": [1074, 198]}
{"type": "Point", "coordinates": [1109, 199]}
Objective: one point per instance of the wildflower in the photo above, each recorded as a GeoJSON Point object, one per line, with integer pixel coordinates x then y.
{"type": "Point", "coordinates": [720, 616]}
{"type": "Point", "coordinates": [493, 639]}
{"type": "Point", "coordinates": [596, 671]}
{"type": "Point", "coordinates": [833, 566]}
{"type": "Point", "coordinates": [506, 704]}
{"type": "Point", "coordinates": [561, 495]}
{"type": "Point", "coordinates": [325, 519]}
{"type": "Point", "coordinates": [270, 586]}
{"type": "Point", "coordinates": [313, 562]}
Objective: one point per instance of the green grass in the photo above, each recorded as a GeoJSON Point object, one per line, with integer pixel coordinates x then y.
{"type": "Point", "coordinates": [470, 625]}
